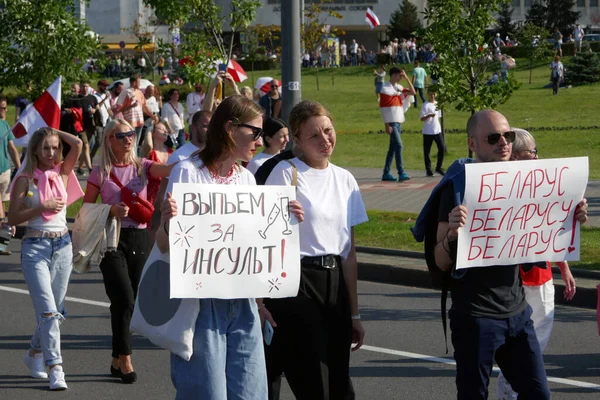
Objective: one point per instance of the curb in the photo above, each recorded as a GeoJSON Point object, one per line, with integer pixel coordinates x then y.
{"type": "Point", "coordinates": [586, 297]}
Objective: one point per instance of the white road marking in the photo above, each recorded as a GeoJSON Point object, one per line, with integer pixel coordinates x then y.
{"type": "Point", "coordinates": [449, 361]}
{"type": "Point", "coordinates": [375, 349]}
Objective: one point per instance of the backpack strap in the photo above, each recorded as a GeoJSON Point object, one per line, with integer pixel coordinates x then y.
{"type": "Point", "coordinates": [116, 180]}
{"type": "Point", "coordinates": [294, 174]}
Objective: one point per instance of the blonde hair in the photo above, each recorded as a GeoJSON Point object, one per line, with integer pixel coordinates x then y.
{"type": "Point", "coordinates": [148, 144]}
{"type": "Point", "coordinates": [37, 138]}
{"type": "Point", "coordinates": [108, 156]}
{"type": "Point", "coordinates": [248, 90]}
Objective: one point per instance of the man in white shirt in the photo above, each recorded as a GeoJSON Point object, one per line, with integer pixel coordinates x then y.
{"type": "Point", "coordinates": [103, 114]}
{"type": "Point", "coordinates": [194, 101]}
{"type": "Point", "coordinates": [354, 52]}
{"type": "Point", "coordinates": [432, 130]}
{"type": "Point", "coordinates": [578, 35]}
{"type": "Point", "coordinates": [344, 53]}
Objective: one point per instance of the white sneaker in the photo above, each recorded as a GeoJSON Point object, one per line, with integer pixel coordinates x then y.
{"type": "Point", "coordinates": [36, 365]}
{"type": "Point", "coordinates": [57, 378]}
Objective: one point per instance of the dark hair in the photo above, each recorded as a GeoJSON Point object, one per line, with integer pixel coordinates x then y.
{"type": "Point", "coordinates": [171, 91]}
{"type": "Point", "coordinates": [134, 77]}
{"type": "Point", "coordinates": [305, 110]}
{"type": "Point", "coordinates": [219, 142]}
{"type": "Point", "coordinates": [3, 98]}
{"type": "Point", "coordinates": [197, 117]}
{"type": "Point", "coordinates": [271, 126]}
{"type": "Point", "coordinates": [395, 70]}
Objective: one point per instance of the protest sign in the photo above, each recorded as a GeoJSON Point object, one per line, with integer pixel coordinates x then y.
{"type": "Point", "coordinates": [233, 241]}
{"type": "Point", "coordinates": [522, 211]}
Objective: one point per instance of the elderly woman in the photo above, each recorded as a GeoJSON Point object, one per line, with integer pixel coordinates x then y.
{"type": "Point", "coordinates": [315, 329]}
{"type": "Point", "coordinates": [228, 357]}
{"type": "Point", "coordinates": [537, 281]}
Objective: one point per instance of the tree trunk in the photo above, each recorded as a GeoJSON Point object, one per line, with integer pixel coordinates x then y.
{"type": "Point", "coordinates": [317, 75]}
{"type": "Point", "coordinates": [470, 152]}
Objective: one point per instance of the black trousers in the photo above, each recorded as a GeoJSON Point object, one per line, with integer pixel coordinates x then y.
{"type": "Point", "coordinates": [427, 142]}
{"type": "Point", "coordinates": [122, 270]}
{"type": "Point", "coordinates": [421, 92]}
{"type": "Point", "coordinates": [311, 343]}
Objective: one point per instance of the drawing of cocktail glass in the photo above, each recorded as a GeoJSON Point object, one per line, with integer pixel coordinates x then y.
{"type": "Point", "coordinates": [272, 217]}
{"type": "Point", "coordinates": [285, 213]}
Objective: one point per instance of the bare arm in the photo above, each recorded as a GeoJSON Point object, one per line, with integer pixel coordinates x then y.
{"type": "Point", "coordinates": [210, 94]}
{"type": "Point", "coordinates": [18, 212]}
{"type": "Point", "coordinates": [411, 88]}
{"type": "Point", "coordinates": [350, 268]}
{"type": "Point", "coordinates": [567, 277]}
{"type": "Point", "coordinates": [74, 153]}
{"type": "Point", "coordinates": [14, 154]}
{"type": "Point", "coordinates": [447, 234]}
{"type": "Point", "coordinates": [168, 209]}
{"type": "Point", "coordinates": [159, 170]}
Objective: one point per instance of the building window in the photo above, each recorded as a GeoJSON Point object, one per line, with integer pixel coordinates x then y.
{"type": "Point", "coordinates": [593, 3]}
{"type": "Point", "coordinates": [527, 3]}
{"type": "Point", "coordinates": [581, 3]}
{"type": "Point", "coordinates": [516, 3]}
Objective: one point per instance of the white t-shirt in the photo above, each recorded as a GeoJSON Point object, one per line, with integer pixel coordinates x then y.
{"type": "Point", "coordinates": [152, 104]}
{"type": "Point", "coordinates": [578, 33]}
{"type": "Point", "coordinates": [175, 118]}
{"type": "Point", "coordinates": [332, 205]}
{"type": "Point", "coordinates": [193, 171]}
{"type": "Point", "coordinates": [194, 102]}
{"type": "Point", "coordinates": [182, 153]}
{"type": "Point", "coordinates": [257, 161]}
{"type": "Point", "coordinates": [103, 110]}
{"type": "Point", "coordinates": [431, 126]}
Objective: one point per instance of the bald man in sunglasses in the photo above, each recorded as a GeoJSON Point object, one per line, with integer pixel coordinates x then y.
{"type": "Point", "coordinates": [490, 320]}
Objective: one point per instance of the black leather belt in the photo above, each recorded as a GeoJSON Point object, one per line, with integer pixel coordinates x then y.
{"type": "Point", "coordinates": [328, 261]}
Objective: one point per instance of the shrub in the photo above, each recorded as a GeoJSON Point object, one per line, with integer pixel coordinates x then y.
{"type": "Point", "coordinates": [583, 69]}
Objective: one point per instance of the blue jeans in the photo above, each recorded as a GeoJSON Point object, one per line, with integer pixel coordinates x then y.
{"type": "Point", "coordinates": [228, 362]}
{"type": "Point", "coordinates": [511, 342]}
{"type": "Point", "coordinates": [47, 265]}
{"type": "Point", "coordinates": [395, 149]}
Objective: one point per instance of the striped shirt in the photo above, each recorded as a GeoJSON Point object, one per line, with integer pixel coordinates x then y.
{"type": "Point", "coordinates": [394, 101]}
{"type": "Point", "coordinates": [135, 115]}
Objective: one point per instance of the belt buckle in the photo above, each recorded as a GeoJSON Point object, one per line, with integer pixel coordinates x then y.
{"type": "Point", "coordinates": [327, 262]}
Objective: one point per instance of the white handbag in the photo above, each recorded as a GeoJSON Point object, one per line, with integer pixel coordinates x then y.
{"type": "Point", "coordinates": [168, 323]}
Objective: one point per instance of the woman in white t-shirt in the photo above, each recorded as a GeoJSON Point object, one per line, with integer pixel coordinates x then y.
{"type": "Point", "coordinates": [228, 356]}
{"type": "Point", "coordinates": [314, 330]}
{"type": "Point", "coordinates": [173, 112]}
{"type": "Point", "coordinates": [276, 137]}
{"type": "Point", "coordinates": [557, 74]}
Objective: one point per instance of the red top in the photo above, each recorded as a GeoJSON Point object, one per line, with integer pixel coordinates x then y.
{"type": "Point", "coordinates": [536, 276]}
{"type": "Point", "coordinates": [154, 183]}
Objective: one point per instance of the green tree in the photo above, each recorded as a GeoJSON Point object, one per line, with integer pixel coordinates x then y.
{"type": "Point", "coordinates": [404, 22]}
{"type": "Point", "coordinates": [505, 26]}
{"type": "Point", "coordinates": [537, 14]}
{"type": "Point", "coordinates": [531, 39]}
{"type": "Point", "coordinates": [315, 28]}
{"type": "Point", "coordinates": [560, 14]}
{"type": "Point", "coordinates": [456, 29]}
{"type": "Point", "coordinates": [40, 41]}
{"type": "Point", "coordinates": [209, 18]}
{"type": "Point", "coordinates": [583, 69]}
{"type": "Point", "coordinates": [146, 37]}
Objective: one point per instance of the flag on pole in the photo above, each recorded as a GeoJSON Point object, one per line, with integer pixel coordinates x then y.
{"type": "Point", "coordinates": [44, 112]}
{"type": "Point", "coordinates": [371, 19]}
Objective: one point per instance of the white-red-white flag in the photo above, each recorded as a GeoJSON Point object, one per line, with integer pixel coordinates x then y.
{"type": "Point", "coordinates": [372, 19]}
{"type": "Point", "coordinates": [44, 112]}
{"type": "Point", "coordinates": [236, 71]}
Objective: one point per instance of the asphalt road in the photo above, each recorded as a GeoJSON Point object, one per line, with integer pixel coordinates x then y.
{"type": "Point", "coordinates": [404, 356]}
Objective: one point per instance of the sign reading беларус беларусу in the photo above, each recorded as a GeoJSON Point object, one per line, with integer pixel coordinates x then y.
{"type": "Point", "coordinates": [233, 241]}
{"type": "Point", "coordinates": [522, 211]}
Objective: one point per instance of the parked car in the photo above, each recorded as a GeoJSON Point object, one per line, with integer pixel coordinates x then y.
{"type": "Point", "coordinates": [592, 37]}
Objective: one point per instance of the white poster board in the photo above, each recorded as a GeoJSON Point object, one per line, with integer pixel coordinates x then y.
{"type": "Point", "coordinates": [233, 241]}
{"type": "Point", "coordinates": [522, 211]}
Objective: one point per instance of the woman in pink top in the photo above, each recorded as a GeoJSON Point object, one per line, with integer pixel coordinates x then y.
{"type": "Point", "coordinates": [121, 269]}
{"type": "Point", "coordinates": [40, 196]}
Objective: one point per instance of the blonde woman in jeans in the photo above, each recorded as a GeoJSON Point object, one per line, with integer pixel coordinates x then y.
{"type": "Point", "coordinates": [40, 197]}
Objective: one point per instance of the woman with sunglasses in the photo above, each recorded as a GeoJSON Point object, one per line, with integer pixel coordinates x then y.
{"type": "Point", "coordinates": [40, 196]}
{"type": "Point", "coordinates": [537, 281]}
{"type": "Point", "coordinates": [121, 269]}
{"type": "Point", "coordinates": [228, 356]}
{"type": "Point", "coordinates": [315, 330]}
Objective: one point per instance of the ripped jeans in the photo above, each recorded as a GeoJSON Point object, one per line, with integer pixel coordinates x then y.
{"type": "Point", "coordinates": [47, 265]}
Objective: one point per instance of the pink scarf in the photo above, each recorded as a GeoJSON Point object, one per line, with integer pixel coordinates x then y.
{"type": "Point", "coordinates": [51, 185]}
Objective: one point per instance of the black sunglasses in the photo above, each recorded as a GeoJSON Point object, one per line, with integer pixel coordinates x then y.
{"type": "Point", "coordinates": [123, 135]}
{"type": "Point", "coordinates": [534, 151]}
{"type": "Point", "coordinates": [256, 131]}
{"type": "Point", "coordinates": [494, 138]}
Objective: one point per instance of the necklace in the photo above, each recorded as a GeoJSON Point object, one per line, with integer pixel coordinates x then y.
{"type": "Point", "coordinates": [222, 180]}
